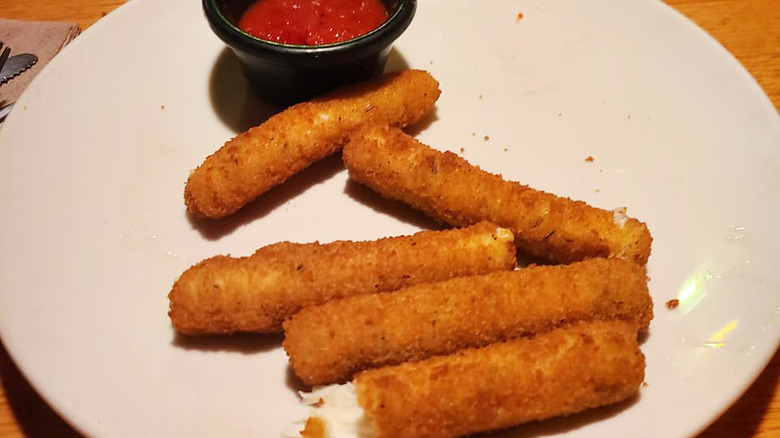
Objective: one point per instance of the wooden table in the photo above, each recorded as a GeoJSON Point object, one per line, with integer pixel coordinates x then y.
{"type": "Point", "coordinates": [750, 29]}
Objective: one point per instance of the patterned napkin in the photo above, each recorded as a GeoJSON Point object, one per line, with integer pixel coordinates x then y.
{"type": "Point", "coordinates": [44, 39]}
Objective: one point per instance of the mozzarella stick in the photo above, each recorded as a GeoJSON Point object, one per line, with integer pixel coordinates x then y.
{"type": "Point", "coordinates": [561, 372]}
{"type": "Point", "coordinates": [330, 343]}
{"type": "Point", "coordinates": [257, 293]}
{"type": "Point", "coordinates": [449, 189]}
{"type": "Point", "coordinates": [266, 155]}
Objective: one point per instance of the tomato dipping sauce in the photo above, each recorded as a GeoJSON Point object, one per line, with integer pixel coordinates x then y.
{"type": "Point", "coordinates": [312, 22]}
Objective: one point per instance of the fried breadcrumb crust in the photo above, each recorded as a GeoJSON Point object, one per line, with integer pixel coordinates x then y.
{"type": "Point", "coordinates": [449, 189]}
{"type": "Point", "coordinates": [266, 155]}
{"type": "Point", "coordinates": [257, 293]}
{"type": "Point", "coordinates": [567, 370]}
{"type": "Point", "coordinates": [329, 343]}
{"type": "Point", "coordinates": [314, 428]}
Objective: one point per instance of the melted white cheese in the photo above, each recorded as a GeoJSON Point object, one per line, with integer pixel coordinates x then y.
{"type": "Point", "coordinates": [619, 216]}
{"type": "Point", "coordinates": [338, 408]}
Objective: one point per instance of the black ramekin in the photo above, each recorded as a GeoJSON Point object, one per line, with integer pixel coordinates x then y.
{"type": "Point", "coordinates": [287, 73]}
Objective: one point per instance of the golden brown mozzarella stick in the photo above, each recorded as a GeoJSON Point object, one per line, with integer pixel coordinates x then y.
{"type": "Point", "coordinates": [330, 343]}
{"type": "Point", "coordinates": [449, 189]}
{"type": "Point", "coordinates": [257, 293]}
{"type": "Point", "coordinates": [562, 372]}
{"type": "Point", "coordinates": [266, 155]}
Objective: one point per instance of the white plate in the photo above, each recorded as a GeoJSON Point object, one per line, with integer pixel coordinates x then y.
{"type": "Point", "coordinates": [95, 155]}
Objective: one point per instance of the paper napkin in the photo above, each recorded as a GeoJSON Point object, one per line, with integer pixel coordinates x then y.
{"type": "Point", "coordinates": [44, 39]}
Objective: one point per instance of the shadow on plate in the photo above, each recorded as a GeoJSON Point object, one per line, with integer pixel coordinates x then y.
{"type": "Point", "coordinates": [231, 97]}
{"type": "Point", "coordinates": [525, 260]}
{"type": "Point", "coordinates": [560, 425]}
{"type": "Point", "coordinates": [396, 61]}
{"type": "Point", "coordinates": [422, 124]}
{"type": "Point", "coordinates": [317, 173]}
{"type": "Point", "coordinates": [294, 382]}
{"type": "Point", "coordinates": [390, 207]}
{"type": "Point", "coordinates": [644, 336]}
{"type": "Point", "coordinates": [237, 106]}
{"type": "Point", "coordinates": [245, 343]}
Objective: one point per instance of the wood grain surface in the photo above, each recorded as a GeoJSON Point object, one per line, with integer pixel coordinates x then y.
{"type": "Point", "coordinates": [749, 29]}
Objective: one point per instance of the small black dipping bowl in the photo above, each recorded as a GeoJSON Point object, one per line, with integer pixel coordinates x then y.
{"type": "Point", "coordinates": [288, 73]}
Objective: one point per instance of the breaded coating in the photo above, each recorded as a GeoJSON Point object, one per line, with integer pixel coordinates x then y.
{"type": "Point", "coordinates": [449, 189]}
{"type": "Point", "coordinates": [257, 293]}
{"type": "Point", "coordinates": [266, 155]}
{"type": "Point", "coordinates": [329, 343]}
{"type": "Point", "coordinates": [314, 428]}
{"type": "Point", "coordinates": [561, 372]}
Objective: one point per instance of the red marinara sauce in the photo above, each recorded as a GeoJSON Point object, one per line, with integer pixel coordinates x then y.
{"type": "Point", "coordinates": [312, 22]}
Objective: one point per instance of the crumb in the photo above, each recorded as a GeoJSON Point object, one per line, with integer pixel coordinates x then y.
{"type": "Point", "coordinates": [473, 134]}
{"type": "Point", "coordinates": [598, 190]}
{"type": "Point", "coordinates": [589, 159]}
{"type": "Point", "coordinates": [560, 114]}
{"type": "Point", "coordinates": [486, 138]}
{"type": "Point", "coordinates": [162, 106]}
{"type": "Point", "coordinates": [628, 116]}
{"type": "Point", "coordinates": [430, 62]}
{"type": "Point", "coordinates": [462, 150]}
{"type": "Point", "coordinates": [519, 17]}
{"type": "Point", "coordinates": [645, 384]}
{"type": "Point", "coordinates": [672, 304]}
{"type": "Point", "coordinates": [480, 97]}
{"type": "Point", "coordinates": [505, 149]}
